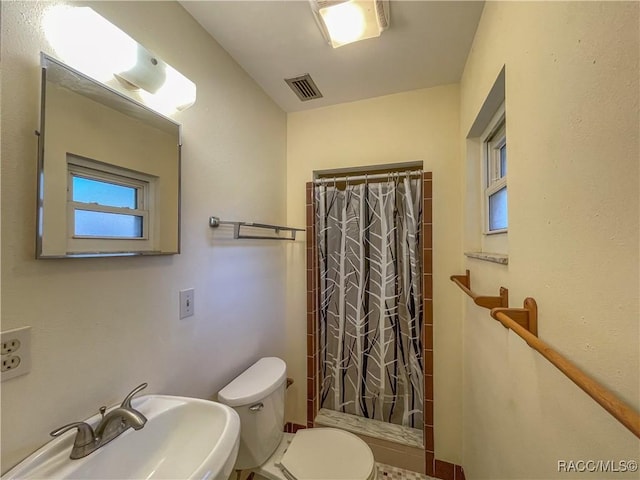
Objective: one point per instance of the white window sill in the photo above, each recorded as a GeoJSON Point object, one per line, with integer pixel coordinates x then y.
{"type": "Point", "coordinates": [489, 257]}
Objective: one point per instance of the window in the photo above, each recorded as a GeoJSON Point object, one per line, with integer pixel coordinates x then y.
{"type": "Point", "coordinates": [495, 179]}
{"type": "Point", "coordinates": [486, 214]}
{"type": "Point", "coordinates": [107, 205]}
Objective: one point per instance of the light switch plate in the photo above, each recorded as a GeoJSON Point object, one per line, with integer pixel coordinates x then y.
{"type": "Point", "coordinates": [187, 305]}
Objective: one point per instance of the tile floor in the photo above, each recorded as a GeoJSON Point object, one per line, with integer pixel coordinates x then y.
{"type": "Point", "coordinates": [387, 472]}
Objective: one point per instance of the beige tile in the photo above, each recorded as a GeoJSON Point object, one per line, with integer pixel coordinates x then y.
{"type": "Point", "coordinates": [400, 458]}
{"type": "Point", "coordinates": [388, 472]}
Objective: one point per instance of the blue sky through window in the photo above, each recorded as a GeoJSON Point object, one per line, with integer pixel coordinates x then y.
{"type": "Point", "coordinates": [86, 190]}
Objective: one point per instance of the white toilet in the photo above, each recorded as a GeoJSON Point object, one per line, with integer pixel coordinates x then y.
{"type": "Point", "coordinates": [311, 454]}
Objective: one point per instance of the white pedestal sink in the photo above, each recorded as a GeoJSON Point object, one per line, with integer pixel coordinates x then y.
{"type": "Point", "coordinates": [183, 438]}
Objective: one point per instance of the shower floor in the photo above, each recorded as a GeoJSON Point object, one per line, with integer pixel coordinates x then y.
{"type": "Point", "coordinates": [412, 437]}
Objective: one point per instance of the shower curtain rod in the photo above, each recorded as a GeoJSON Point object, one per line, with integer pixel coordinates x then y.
{"type": "Point", "coordinates": [375, 176]}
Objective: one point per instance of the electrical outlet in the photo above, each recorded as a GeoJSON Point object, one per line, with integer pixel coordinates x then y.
{"type": "Point", "coordinates": [15, 347]}
{"type": "Point", "coordinates": [9, 362]}
{"type": "Point", "coordinates": [187, 305]}
{"type": "Point", "coordinates": [9, 346]}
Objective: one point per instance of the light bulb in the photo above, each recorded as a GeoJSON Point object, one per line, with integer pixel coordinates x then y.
{"type": "Point", "coordinates": [345, 22]}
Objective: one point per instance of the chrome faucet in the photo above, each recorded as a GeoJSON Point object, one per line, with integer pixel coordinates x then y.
{"type": "Point", "coordinates": [113, 424]}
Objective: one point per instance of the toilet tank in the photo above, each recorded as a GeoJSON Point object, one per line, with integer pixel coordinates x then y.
{"type": "Point", "coordinates": [257, 394]}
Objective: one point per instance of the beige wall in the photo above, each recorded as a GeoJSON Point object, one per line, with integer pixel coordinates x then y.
{"type": "Point", "coordinates": [572, 129]}
{"type": "Point", "coordinates": [102, 326]}
{"type": "Point", "coordinates": [418, 125]}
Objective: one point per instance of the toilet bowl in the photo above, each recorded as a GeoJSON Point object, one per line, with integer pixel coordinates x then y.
{"type": "Point", "coordinates": [257, 395]}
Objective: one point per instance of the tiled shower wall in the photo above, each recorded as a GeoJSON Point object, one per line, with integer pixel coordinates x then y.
{"type": "Point", "coordinates": [427, 318]}
{"type": "Point", "coordinates": [313, 396]}
{"type": "Point", "coordinates": [433, 466]}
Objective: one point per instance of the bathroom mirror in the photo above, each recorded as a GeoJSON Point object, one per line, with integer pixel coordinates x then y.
{"type": "Point", "coordinates": [108, 171]}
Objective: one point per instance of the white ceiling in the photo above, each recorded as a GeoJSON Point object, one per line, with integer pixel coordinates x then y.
{"type": "Point", "coordinates": [426, 45]}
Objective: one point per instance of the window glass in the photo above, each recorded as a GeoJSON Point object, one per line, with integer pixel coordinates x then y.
{"type": "Point", "coordinates": [87, 190]}
{"type": "Point", "coordinates": [503, 160]}
{"type": "Point", "coordinates": [101, 224]}
{"type": "Point", "coordinates": [495, 148]}
{"type": "Point", "coordinates": [498, 210]}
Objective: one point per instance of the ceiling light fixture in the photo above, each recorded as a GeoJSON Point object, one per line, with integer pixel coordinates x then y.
{"type": "Point", "coordinates": [91, 44]}
{"type": "Point", "coordinates": [346, 21]}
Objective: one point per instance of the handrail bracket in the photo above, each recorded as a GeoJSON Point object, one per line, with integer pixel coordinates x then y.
{"type": "Point", "coordinates": [486, 301]}
{"type": "Point", "coordinates": [526, 317]}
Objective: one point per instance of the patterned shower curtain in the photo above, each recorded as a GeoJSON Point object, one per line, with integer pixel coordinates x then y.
{"type": "Point", "coordinates": [370, 316]}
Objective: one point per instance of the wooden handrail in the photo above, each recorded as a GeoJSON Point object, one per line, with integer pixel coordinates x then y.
{"type": "Point", "coordinates": [612, 404]}
{"type": "Point", "coordinates": [524, 322]}
{"type": "Point", "coordinates": [464, 282]}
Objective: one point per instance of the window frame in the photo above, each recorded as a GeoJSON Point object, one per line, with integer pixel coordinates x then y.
{"type": "Point", "coordinates": [105, 173]}
{"type": "Point", "coordinates": [492, 140]}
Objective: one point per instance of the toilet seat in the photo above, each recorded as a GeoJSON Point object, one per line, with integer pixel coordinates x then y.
{"type": "Point", "coordinates": [327, 454]}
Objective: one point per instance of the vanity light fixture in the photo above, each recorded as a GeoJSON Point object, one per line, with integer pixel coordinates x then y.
{"type": "Point", "coordinates": [91, 44]}
{"type": "Point", "coordinates": [346, 21]}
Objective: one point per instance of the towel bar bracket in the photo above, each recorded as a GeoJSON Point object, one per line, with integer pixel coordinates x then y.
{"type": "Point", "coordinates": [215, 222]}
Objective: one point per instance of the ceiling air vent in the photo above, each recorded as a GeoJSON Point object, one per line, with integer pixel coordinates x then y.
{"type": "Point", "coordinates": [304, 87]}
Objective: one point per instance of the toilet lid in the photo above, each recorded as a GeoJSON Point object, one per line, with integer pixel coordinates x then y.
{"type": "Point", "coordinates": [327, 454]}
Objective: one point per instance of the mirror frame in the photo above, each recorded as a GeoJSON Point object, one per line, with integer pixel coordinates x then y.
{"type": "Point", "coordinates": [124, 104]}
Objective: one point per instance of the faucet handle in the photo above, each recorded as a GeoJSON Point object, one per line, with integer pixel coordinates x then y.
{"type": "Point", "coordinates": [126, 403]}
{"type": "Point", "coordinates": [84, 436]}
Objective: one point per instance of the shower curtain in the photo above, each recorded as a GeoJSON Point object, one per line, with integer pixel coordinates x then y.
{"type": "Point", "coordinates": [370, 310]}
